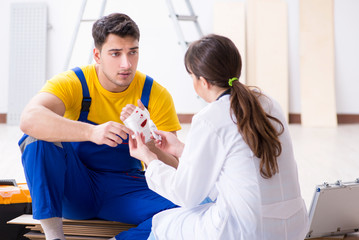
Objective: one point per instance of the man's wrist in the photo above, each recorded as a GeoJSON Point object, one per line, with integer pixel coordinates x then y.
{"type": "Point", "coordinates": [89, 132]}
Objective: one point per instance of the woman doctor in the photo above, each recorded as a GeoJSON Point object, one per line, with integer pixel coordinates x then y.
{"type": "Point", "coordinates": [238, 156]}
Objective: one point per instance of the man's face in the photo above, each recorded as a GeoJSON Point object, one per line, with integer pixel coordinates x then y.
{"type": "Point", "coordinates": [117, 62]}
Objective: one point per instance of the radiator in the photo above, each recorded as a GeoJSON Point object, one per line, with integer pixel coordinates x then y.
{"type": "Point", "coordinates": [27, 73]}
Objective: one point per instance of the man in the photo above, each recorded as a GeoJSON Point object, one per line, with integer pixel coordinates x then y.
{"type": "Point", "coordinates": [75, 152]}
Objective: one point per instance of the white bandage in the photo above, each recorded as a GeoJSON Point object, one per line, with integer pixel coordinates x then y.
{"type": "Point", "coordinates": [139, 122]}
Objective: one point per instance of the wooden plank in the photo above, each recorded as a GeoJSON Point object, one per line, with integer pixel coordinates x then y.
{"type": "Point", "coordinates": [229, 21]}
{"type": "Point", "coordinates": [41, 236]}
{"type": "Point", "coordinates": [318, 106]}
{"type": "Point", "coordinates": [98, 228]}
{"type": "Point", "coordinates": [340, 237]}
{"type": "Point", "coordinates": [271, 59]}
{"type": "Point", "coordinates": [267, 49]}
{"type": "Point", "coordinates": [78, 230]}
{"type": "Point", "coordinates": [352, 236]}
{"type": "Point", "coordinates": [251, 43]}
{"type": "Point", "coordinates": [26, 219]}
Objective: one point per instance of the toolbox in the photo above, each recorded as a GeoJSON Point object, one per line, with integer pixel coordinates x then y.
{"type": "Point", "coordinates": [15, 200]}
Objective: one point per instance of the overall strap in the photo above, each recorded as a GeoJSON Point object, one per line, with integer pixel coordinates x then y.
{"type": "Point", "coordinates": [86, 99]}
{"type": "Point", "coordinates": [146, 91]}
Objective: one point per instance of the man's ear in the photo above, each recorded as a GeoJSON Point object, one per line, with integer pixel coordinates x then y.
{"type": "Point", "coordinates": [204, 82]}
{"type": "Point", "coordinates": [96, 55]}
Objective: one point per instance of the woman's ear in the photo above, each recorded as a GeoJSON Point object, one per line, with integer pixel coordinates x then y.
{"type": "Point", "coordinates": [204, 82]}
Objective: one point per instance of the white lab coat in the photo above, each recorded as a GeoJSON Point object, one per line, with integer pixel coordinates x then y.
{"type": "Point", "coordinates": [216, 162]}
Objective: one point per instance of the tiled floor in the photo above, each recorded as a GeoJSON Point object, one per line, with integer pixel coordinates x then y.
{"type": "Point", "coordinates": [323, 154]}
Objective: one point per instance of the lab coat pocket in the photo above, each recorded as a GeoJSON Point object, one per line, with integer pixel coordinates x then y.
{"type": "Point", "coordinates": [219, 218]}
{"type": "Point", "coordinates": [215, 221]}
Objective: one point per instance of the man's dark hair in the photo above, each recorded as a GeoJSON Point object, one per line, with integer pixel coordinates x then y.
{"type": "Point", "coordinates": [116, 23]}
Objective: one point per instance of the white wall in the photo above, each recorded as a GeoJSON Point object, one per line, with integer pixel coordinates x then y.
{"type": "Point", "coordinates": [162, 58]}
{"type": "Point", "coordinates": [347, 55]}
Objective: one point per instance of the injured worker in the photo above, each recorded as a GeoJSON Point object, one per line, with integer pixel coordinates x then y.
{"type": "Point", "coordinates": [75, 151]}
{"type": "Point", "coordinates": [237, 177]}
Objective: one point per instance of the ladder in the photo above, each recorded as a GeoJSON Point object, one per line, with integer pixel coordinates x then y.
{"type": "Point", "coordinates": [176, 18]}
{"type": "Point", "coordinates": [76, 30]}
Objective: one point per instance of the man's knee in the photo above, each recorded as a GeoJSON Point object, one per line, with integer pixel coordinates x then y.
{"type": "Point", "coordinates": [26, 143]}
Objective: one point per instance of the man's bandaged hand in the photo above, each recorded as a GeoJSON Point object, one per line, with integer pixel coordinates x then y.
{"type": "Point", "coordinates": [140, 122]}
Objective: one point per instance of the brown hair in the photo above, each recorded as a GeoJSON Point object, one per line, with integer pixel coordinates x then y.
{"type": "Point", "coordinates": [116, 23]}
{"type": "Point", "coordinates": [217, 59]}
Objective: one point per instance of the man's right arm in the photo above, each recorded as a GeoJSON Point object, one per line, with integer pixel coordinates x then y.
{"type": "Point", "coordinates": [43, 119]}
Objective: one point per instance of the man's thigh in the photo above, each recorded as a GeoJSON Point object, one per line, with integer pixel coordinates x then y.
{"type": "Point", "coordinates": [59, 183]}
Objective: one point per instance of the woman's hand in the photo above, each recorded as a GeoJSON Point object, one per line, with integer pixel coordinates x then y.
{"type": "Point", "coordinates": [169, 143]}
{"type": "Point", "coordinates": [139, 150]}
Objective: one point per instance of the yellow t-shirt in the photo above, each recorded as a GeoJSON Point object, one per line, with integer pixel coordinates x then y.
{"type": "Point", "coordinates": [107, 106]}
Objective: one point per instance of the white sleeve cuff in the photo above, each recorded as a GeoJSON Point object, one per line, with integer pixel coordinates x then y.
{"type": "Point", "coordinates": [151, 167]}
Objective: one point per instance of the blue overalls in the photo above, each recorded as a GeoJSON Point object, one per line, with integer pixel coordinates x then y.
{"type": "Point", "coordinates": [84, 180]}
